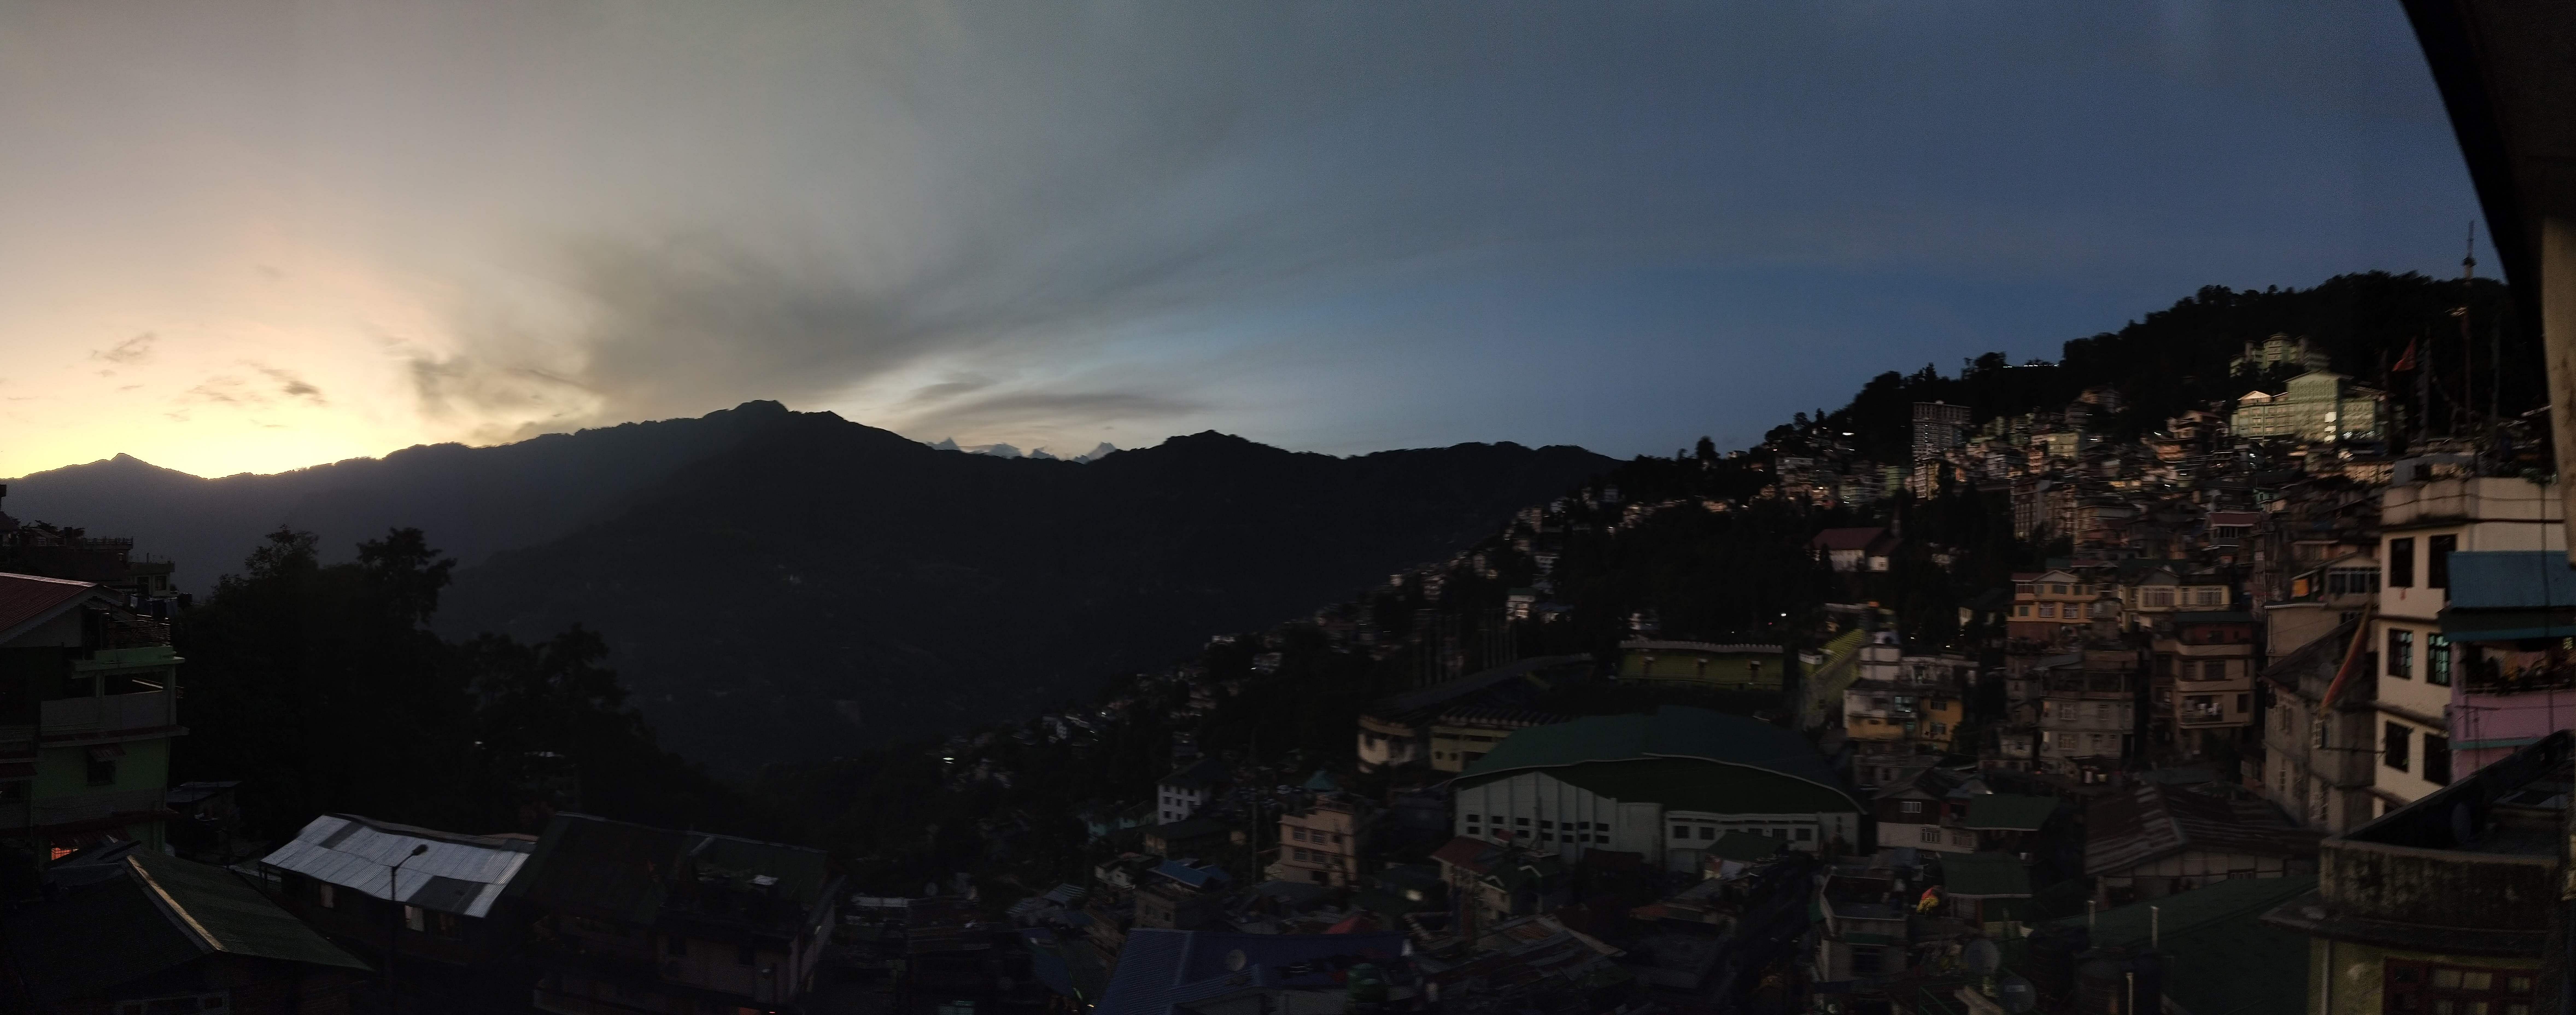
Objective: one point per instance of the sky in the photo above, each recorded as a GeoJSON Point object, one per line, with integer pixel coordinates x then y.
{"type": "Point", "coordinates": [244, 235]}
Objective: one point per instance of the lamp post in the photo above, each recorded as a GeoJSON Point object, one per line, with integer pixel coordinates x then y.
{"type": "Point", "coordinates": [393, 940]}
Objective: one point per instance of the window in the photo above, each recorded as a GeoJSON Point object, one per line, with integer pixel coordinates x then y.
{"type": "Point", "coordinates": [1707, 831]}
{"type": "Point", "coordinates": [1546, 824]}
{"type": "Point", "coordinates": [1931, 835]}
{"type": "Point", "coordinates": [2423, 988]}
{"type": "Point", "coordinates": [2437, 561]}
{"type": "Point", "coordinates": [1601, 839]}
{"type": "Point", "coordinates": [328, 894]}
{"type": "Point", "coordinates": [415, 919]}
{"type": "Point", "coordinates": [2437, 760]}
{"type": "Point", "coordinates": [2022, 610]}
{"type": "Point", "coordinates": [2401, 563]}
{"type": "Point", "coordinates": [2437, 660]}
{"type": "Point", "coordinates": [2401, 653]}
{"type": "Point", "coordinates": [2048, 610]}
{"type": "Point", "coordinates": [2393, 750]}
{"type": "Point", "coordinates": [1523, 822]}
{"type": "Point", "coordinates": [1806, 835]}
{"type": "Point", "coordinates": [102, 772]}
{"type": "Point", "coordinates": [1681, 831]}
{"type": "Point", "coordinates": [1471, 819]}
{"type": "Point", "coordinates": [1911, 806]}
{"type": "Point", "coordinates": [2215, 669]}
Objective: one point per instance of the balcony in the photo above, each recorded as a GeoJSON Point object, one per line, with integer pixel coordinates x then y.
{"type": "Point", "coordinates": [108, 716]}
{"type": "Point", "coordinates": [2491, 677]}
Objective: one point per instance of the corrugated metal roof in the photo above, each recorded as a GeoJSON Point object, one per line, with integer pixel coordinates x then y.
{"type": "Point", "coordinates": [461, 874]}
{"type": "Point", "coordinates": [26, 598]}
{"type": "Point", "coordinates": [1668, 732]}
{"type": "Point", "coordinates": [2511, 580]}
{"type": "Point", "coordinates": [2150, 821]}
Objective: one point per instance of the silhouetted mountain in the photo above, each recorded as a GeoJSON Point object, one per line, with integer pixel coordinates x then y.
{"type": "Point", "coordinates": [825, 585]}
{"type": "Point", "coordinates": [472, 501]}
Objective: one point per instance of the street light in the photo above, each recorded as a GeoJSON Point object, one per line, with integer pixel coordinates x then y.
{"type": "Point", "coordinates": [393, 941]}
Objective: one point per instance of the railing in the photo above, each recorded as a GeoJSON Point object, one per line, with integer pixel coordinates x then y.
{"type": "Point", "coordinates": [2494, 679]}
{"type": "Point", "coordinates": [108, 715]}
{"type": "Point", "coordinates": [133, 634]}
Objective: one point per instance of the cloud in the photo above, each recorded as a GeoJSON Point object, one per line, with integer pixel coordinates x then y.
{"type": "Point", "coordinates": [234, 390]}
{"type": "Point", "coordinates": [129, 352]}
{"type": "Point", "coordinates": [292, 386]}
{"type": "Point", "coordinates": [1024, 411]}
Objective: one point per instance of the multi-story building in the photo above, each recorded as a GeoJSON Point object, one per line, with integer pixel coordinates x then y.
{"type": "Point", "coordinates": [1938, 427]}
{"type": "Point", "coordinates": [2088, 714]}
{"type": "Point", "coordinates": [2204, 683]}
{"type": "Point", "coordinates": [2318, 407]}
{"type": "Point", "coordinates": [2321, 598]}
{"type": "Point", "coordinates": [1700, 664]}
{"type": "Point", "coordinates": [1178, 796]}
{"type": "Point", "coordinates": [88, 709]}
{"type": "Point", "coordinates": [1320, 843]}
{"type": "Point", "coordinates": [2320, 742]}
{"type": "Point", "coordinates": [2447, 904]}
{"type": "Point", "coordinates": [2422, 524]}
{"type": "Point", "coordinates": [2280, 350]}
{"type": "Point", "coordinates": [1663, 785]}
{"type": "Point", "coordinates": [1462, 735]}
{"type": "Point", "coordinates": [2509, 621]}
{"type": "Point", "coordinates": [642, 919]}
{"type": "Point", "coordinates": [55, 552]}
{"type": "Point", "coordinates": [2051, 606]}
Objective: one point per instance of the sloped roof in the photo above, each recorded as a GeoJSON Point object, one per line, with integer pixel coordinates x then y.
{"type": "Point", "coordinates": [1668, 732]}
{"type": "Point", "coordinates": [1198, 774]}
{"type": "Point", "coordinates": [161, 913]}
{"type": "Point", "coordinates": [1430, 700]}
{"type": "Point", "coordinates": [461, 874]}
{"type": "Point", "coordinates": [2008, 812]}
{"type": "Point", "coordinates": [1159, 971]}
{"type": "Point", "coordinates": [27, 600]}
{"type": "Point", "coordinates": [593, 866]}
{"type": "Point", "coordinates": [2151, 821]}
{"type": "Point", "coordinates": [1475, 855]}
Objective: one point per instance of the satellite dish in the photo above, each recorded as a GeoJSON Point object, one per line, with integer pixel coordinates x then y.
{"type": "Point", "coordinates": [1235, 961]}
{"type": "Point", "coordinates": [1982, 957]}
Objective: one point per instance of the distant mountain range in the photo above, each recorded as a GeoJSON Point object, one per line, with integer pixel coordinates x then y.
{"type": "Point", "coordinates": [791, 585]}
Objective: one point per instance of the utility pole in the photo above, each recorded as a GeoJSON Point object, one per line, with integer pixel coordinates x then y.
{"type": "Point", "coordinates": [393, 939]}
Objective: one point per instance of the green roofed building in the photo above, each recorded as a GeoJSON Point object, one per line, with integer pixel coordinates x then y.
{"type": "Point", "coordinates": [1666, 785]}
{"type": "Point", "coordinates": [2219, 955]}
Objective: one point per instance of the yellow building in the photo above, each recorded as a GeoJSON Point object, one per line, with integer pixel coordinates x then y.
{"type": "Point", "coordinates": [1702, 664]}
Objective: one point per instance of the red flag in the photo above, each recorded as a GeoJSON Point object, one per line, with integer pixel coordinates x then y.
{"type": "Point", "coordinates": [2405, 362]}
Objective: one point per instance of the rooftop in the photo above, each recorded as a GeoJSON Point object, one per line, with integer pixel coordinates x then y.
{"type": "Point", "coordinates": [463, 874]}
{"type": "Point", "coordinates": [162, 913]}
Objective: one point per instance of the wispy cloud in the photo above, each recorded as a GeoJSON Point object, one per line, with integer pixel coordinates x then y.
{"type": "Point", "coordinates": [129, 352]}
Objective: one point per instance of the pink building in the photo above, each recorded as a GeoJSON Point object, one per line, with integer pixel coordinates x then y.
{"type": "Point", "coordinates": [2509, 636]}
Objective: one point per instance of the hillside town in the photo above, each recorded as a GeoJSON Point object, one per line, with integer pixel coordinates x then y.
{"type": "Point", "coordinates": [2274, 692]}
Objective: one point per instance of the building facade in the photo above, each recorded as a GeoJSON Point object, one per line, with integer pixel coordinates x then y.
{"type": "Point", "coordinates": [88, 709]}
{"type": "Point", "coordinates": [1664, 785]}
{"type": "Point", "coordinates": [2422, 524]}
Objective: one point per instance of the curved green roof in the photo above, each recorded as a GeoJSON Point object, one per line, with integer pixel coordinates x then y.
{"type": "Point", "coordinates": [1670, 733]}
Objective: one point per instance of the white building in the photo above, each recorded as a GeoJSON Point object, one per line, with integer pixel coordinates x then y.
{"type": "Point", "coordinates": [1666, 785]}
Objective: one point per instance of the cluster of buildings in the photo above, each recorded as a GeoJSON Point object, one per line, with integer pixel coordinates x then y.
{"type": "Point", "coordinates": [127, 894]}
